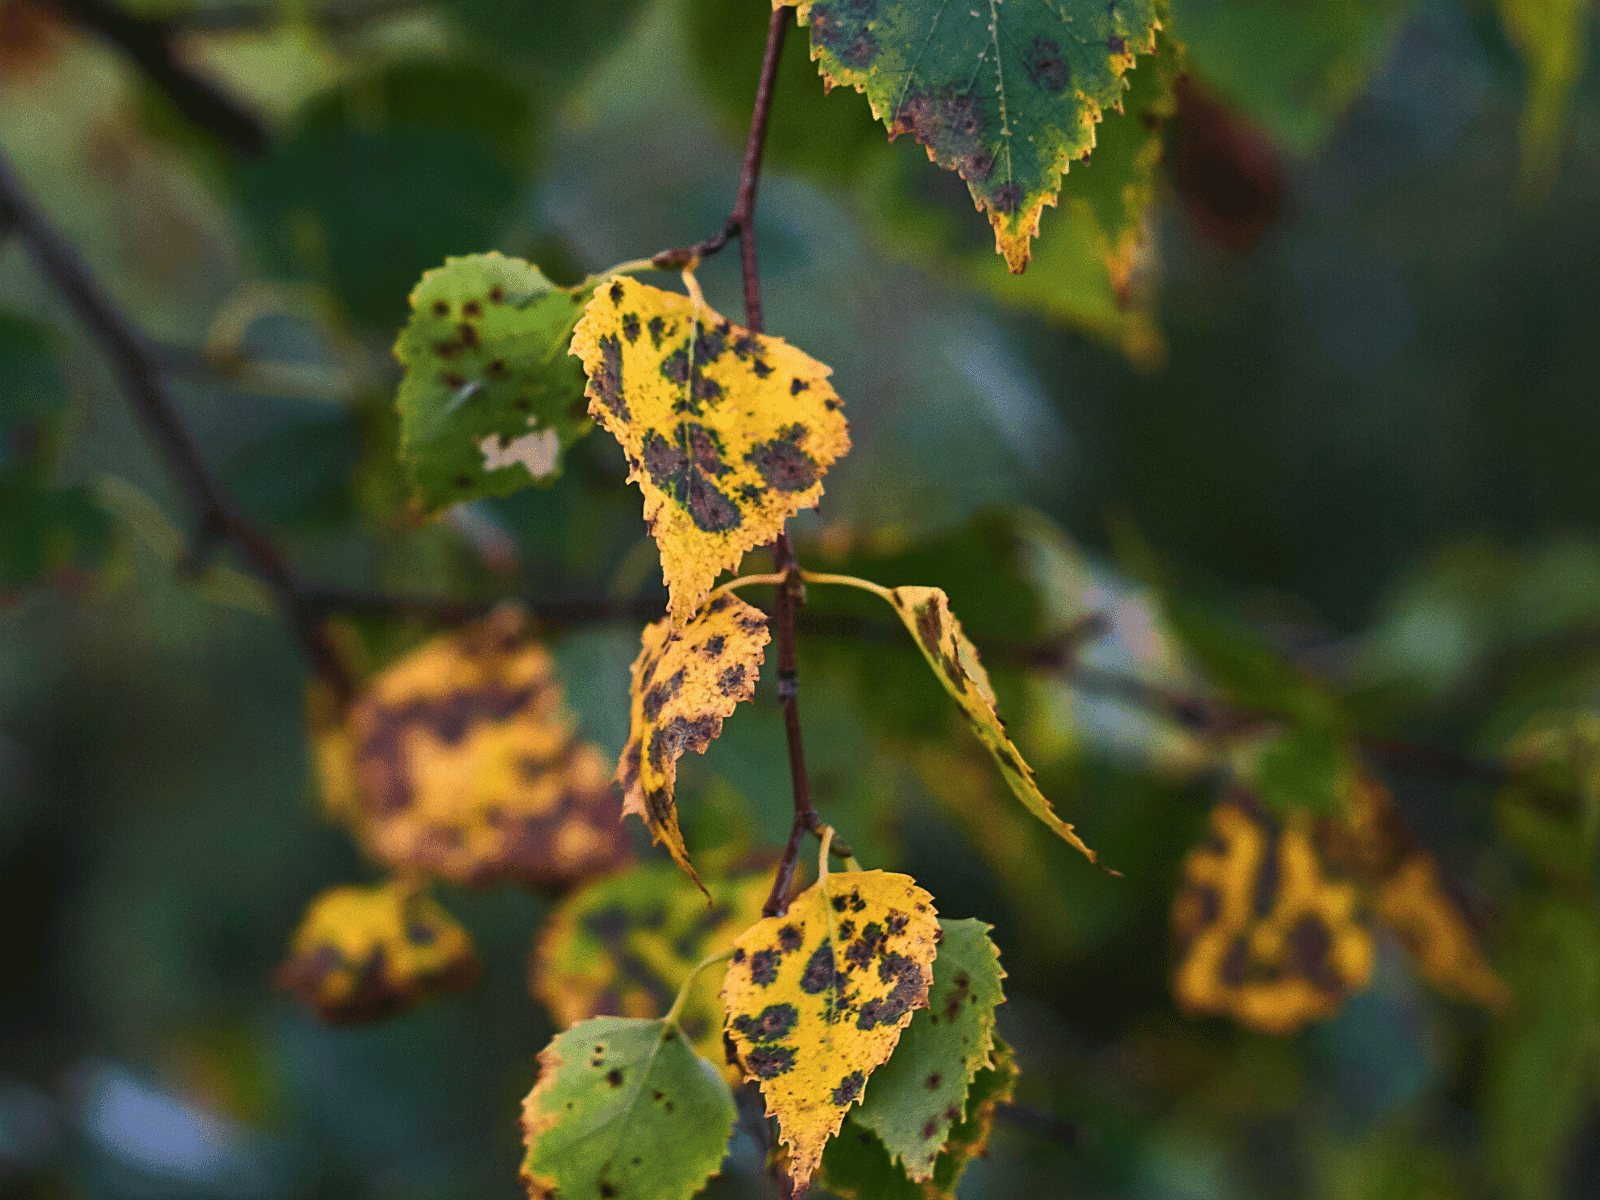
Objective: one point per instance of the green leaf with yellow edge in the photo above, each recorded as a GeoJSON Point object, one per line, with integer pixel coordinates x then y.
{"type": "Point", "coordinates": [954, 659]}
{"type": "Point", "coordinates": [490, 398]}
{"type": "Point", "coordinates": [1005, 95]}
{"type": "Point", "coordinates": [817, 999]}
{"type": "Point", "coordinates": [857, 1166]}
{"type": "Point", "coordinates": [624, 1110]}
{"type": "Point", "coordinates": [920, 1093]}
{"type": "Point", "coordinates": [367, 952]}
{"type": "Point", "coordinates": [466, 764]}
{"type": "Point", "coordinates": [624, 945]}
{"type": "Point", "coordinates": [684, 684]}
{"type": "Point", "coordinates": [728, 433]}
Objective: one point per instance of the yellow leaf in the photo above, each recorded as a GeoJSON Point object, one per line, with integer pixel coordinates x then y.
{"type": "Point", "coordinates": [468, 765]}
{"type": "Point", "coordinates": [1260, 932]}
{"type": "Point", "coordinates": [367, 952]}
{"type": "Point", "coordinates": [817, 999]}
{"type": "Point", "coordinates": [954, 659]}
{"type": "Point", "coordinates": [684, 684]}
{"type": "Point", "coordinates": [728, 433]}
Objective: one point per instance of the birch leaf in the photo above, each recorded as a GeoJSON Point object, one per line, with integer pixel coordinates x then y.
{"type": "Point", "coordinates": [954, 659]}
{"type": "Point", "coordinates": [490, 399]}
{"type": "Point", "coordinates": [1006, 95]}
{"type": "Point", "coordinates": [367, 952]}
{"type": "Point", "coordinates": [468, 765]}
{"type": "Point", "coordinates": [728, 433]}
{"type": "Point", "coordinates": [818, 997]}
{"type": "Point", "coordinates": [684, 684]}
{"type": "Point", "coordinates": [624, 945]}
{"type": "Point", "coordinates": [626, 1110]}
{"type": "Point", "coordinates": [920, 1093]}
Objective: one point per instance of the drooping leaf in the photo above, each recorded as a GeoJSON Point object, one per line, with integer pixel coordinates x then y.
{"type": "Point", "coordinates": [624, 945]}
{"type": "Point", "coordinates": [817, 999]}
{"type": "Point", "coordinates": [920, 1093]}
{"type": "Point", "coordinates": [954, 659]}
{"type": "Point", "coordinates": [1005, 95]}
{"type": "Point", "coordinates": [624, 1109]}
{"type": "Point", "coordinates": [1260, 932]}
{"type": "Point", "coordinates": [728, 433]}
{"type": "Point", "coordinates": [468, 765]}
{"type": "Point", "coordinates": [367, 952]}
{"type": "Point", "coordinates": [684, 684]}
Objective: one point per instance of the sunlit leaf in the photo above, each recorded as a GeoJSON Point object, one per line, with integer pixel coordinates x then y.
{"type": "Point", "coordinates": [817, 999]}
{"type": "Point", "coordinates": [490, 399]}
{"type": "Point", "coordinates": [367, 952]}
{"type": "Point", "coordinates": [920, 1093]}
{"type": "Point", "coordinates": [684, 684]}
{"type": "Point", "coordinates": [624, 945]}
{"type": "Point", "coordinates": [1005, 95]}
{"type": "Point", "coordinates": [468, 764]}
{"type": "Point", "coordinates": [728, 433]}
{"type": "Point", "coordinates": [954, 659]}
{"type": "Point", "coordinates": [624, 1110]}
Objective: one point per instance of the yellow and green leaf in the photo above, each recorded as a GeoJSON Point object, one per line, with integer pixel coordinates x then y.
{"type": "Point", "coordinates": [817, 999]}
{"type": "Point", "coordinates": [1552, 38]}
{"type": "Point", "coordinates": [728, 433]}
{"type": "Point", "coordinates": [1006, 95]}
{"type": "Point", "coordinates": [490, 399]}
{"type": "Point", "coordinates": [684, 683]}
{"type": "Point", "coordinates": [362, 953]}
{"type": "Point", "coordinates": [624, 1110]}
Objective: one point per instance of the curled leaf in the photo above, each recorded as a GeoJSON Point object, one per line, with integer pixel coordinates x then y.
{"type": "Point", "coordinates": [367, 952]}
{"type": "Point", "coordinates": [684, 684]}
{"type": "Point", "coordinates": [728, 433]}
{"type": "Point", "coordinates": [818, 997]}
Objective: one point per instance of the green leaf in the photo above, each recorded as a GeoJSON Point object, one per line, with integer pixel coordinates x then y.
{"type": "Point", "coordinates": [1005, 95]}
{"type": "Point", "coordinates": [490, 399]}
{"type": "Point", "coordinates": [914, 1099]}
{"type": "Point", "coordinates": [624, 1109]}
{"type": "Point", "coordinates": [1552, 38]}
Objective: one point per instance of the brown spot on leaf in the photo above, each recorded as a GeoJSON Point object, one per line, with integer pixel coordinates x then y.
{"type": "Point", "coordinates": [614, 1077]}
{"type": "Point", "coordinates": [789, 938]}
{"type": "Point", "coordinates": [849, 1088]}
{"type": "Point", "coordinates": [933, 1081]}
{"type": "Point", "coordinates": [630, 327]}
{"type": "Point", "coordinates": [764, 966]}
{"type": "Point", "coordinates": [440, 309]}
{"type": "Point", "coordinates": [819, 973]}
{"type": "Point", "coordinates": [1046, 67]}
{"type": "Point", "coordinates": [784, 466]}
{"type": "Point", "coordinates": [909, 992]}
{"type": "Point", "coordinates": [607, 378]}
{"type": "Point", "coordinates": [766, 1062]}
{"type": "Point", "coordinates": [616, 291]}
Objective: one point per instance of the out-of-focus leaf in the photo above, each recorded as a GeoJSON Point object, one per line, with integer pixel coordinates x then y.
{"type": "Point", "coordinates": [684, 684]}
{"type": "Point", "coordinates": [468, 765]}
{"type": "Point", "coordinates": [624, 1109]}
{"type": "Point", "coordinates": [1551, 808]}
{"type": "Point", "coordinates": [299, 473]}
{"type": "Point", "coordinates": [817, 999]}
{"type": "Point", "coordinates": [490, 399]}
{"type": "Point", "coordinates": [624, 945]}
{"type": "Point", "coordinates": [1552, 37]}
{"type": "Point", "coordinates": [554, 41]}
{"type": "Point", "coordinates": [1006, 98]}
{"type": "Point", "coordinates": [728, 433]}
{"type": "Point", "coordinates": [920, 1094]}
{"type": "Point", "coordinates": [367, 952]}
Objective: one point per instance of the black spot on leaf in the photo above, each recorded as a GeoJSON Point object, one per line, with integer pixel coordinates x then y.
{"type": "Point", "coordinates": [764, 966]}
{"type": "Point", "coordinates": [849, 1088]}
{"type": "Point", "coordinates": [607, 378]}
{"type": "Point", "coordinates": [781, 462]}
{"type": "Point", "coordinates": [819, 973]}
{"type": "Point", "coordinates": [767, 1062]}
{"type": "Point", "coordinates": [1046, 67]}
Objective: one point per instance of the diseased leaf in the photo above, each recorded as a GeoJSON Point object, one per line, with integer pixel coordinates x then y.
{"type": "Point", "coordinates": [684, 684]}
{"type": "Point", "coordinates": [920, 1093]}
{"type": "Point", "coordinates": [817, 999]}
{"type": "Point", "coordinates": [969, 1139]}
{"type": "Point", "coordinates": [728, 433]}
{"type": "Point", "coordinates": [626, 1110]}
{"type": "Point", "coordinates": [1260, 932]}
{"type": "Point", "coordinates": [367, 952]}
{"type": "Point", "coordinates": [954, 659]}
{"type": "Point", "coordinates": [1006, 95]}
{"type": "Point", "coordinates": [624, 945]}
{"type": "Point", "coordinates": [468, 765]}
{"type": "Point", "coordinates": [490, 398]}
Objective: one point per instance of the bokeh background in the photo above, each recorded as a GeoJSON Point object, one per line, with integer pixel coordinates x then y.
{"type": "Point", "coordinates": [1349, 396]}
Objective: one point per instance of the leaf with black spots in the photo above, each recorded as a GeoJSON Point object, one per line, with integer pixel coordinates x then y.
{"type": "Point", "coordinates": [362, 953]}
{"type": "Point", "coordinates": [624, 1110]}
{"type": "Point", "coordinates": [1005, 95]}
{"type": "Point", "coordinates": [624, 945]}
{"type": "Point", "coordinates": [490, 399]}
{"type": "Point", "coordinates": [728, 433]}
{"type": "Point", "coordinates": [817, 999]}
{"type": "Point", "coordinates": [465, 763]}
{"type": "Point", "coordinates": [684, 684]}
{"type": "Point", "coordinates": [920, 1093]}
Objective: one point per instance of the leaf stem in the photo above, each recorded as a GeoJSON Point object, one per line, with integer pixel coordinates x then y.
{"type": "Point", "coordinates": [865, 585]}
{"type": "Point", "coordinates": [683, 992]}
